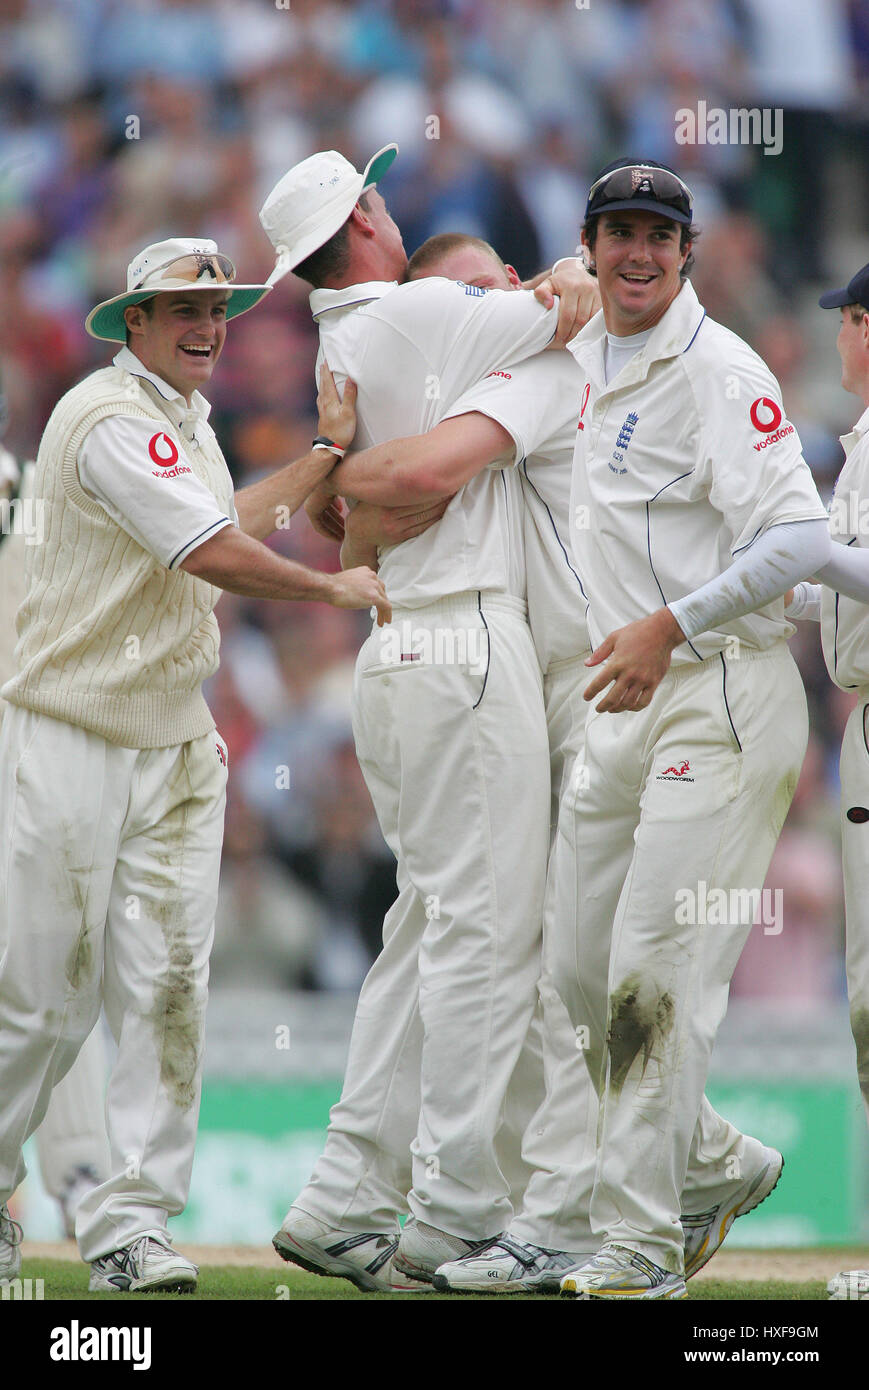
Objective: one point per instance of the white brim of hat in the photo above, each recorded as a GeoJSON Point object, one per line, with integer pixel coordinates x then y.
{"type": "Point", "coordinates": [326, 222]}
{"type": "Point", "coordinates": [106, 321]}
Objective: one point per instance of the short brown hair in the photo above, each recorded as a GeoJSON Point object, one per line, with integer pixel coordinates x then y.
{"type": "Point", "coordinates": [436, 247]}
{"type": "Point", "coordinates": [856, 311]}
{"type": "Point", "coordinates": [331, 259]}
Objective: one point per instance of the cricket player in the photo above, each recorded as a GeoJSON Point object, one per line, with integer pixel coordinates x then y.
{"type": "Point", "coordinates": [841, 607]}
{"type": "Point", "coordinates": [112, 776]}
{"type": "Point", "coordinates": [538, 402]}
{"type": "Point", "coordinates": [693, 513]}
{"type": "Point", "coordinates": [535, 401]}
{"type": "Point", "coordinates": [445, 1009]}
{"type": "Point", "coordinates": [71, 1141]}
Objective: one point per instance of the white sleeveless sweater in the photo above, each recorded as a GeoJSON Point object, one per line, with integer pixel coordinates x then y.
{"type": "Point", "coordinates": [108, 638]}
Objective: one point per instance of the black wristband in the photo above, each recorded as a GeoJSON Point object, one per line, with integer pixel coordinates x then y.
{"type": "Point", "coordinates": [323, 442]}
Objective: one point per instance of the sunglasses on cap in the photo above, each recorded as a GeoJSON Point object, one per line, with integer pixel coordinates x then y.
{"type": "Point", "coordinates": [192, 268]}
{"type": "Point", "coordinates": [640, 181]}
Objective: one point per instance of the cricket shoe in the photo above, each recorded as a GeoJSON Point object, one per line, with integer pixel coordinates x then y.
{"type": "Point", "coordinates": [365, 1258]}
{"type": "Point", "coordinates": [705, 1232]}
{"type": "Point", "coordinates": [617, 1272]}
{"type": "Point", "coordinates": [148, 1263]}
{"type": "Point", "coordinates": [851, 1284]}
{"type": "Point", "coordinates": [10, 1245]}
{"type": "Point", "coordinates": [423, 1249]}
{"type": "Point", "coordinates": [507, 1265]}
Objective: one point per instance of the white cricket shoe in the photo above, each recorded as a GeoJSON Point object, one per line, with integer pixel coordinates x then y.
{"type": "Point", "coordinates": [851, 1284]}
{"type": "Point", "coordinates": [10, 1245]}
{"type": "Point", "coordinates": [148, 1263]}
{"type": "Point", "coordinates": [617, 1272]}
{"type": "Point", "coordinates": [507, 1265]}
{"type": "Point", "coordinates": [705, 1231]}
{"type": "Point", "coordinates": [365, 1258]}
{"type": "Point", "coordinates": [423, 1249]}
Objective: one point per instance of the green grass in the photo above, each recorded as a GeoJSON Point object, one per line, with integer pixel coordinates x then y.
{"type": "Point", "coordinates": [66, 1280]}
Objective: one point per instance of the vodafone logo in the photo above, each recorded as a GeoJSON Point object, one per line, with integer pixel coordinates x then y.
{"type": "Point", "coordinates": [585, 396]}
{"type": "Point", "coordinates": [165, 454]}
{"type": "Point", "coordinates": [765, 415]}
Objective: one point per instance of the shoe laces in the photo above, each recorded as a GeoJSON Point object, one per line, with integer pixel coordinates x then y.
{"type": "Point", "coordinates": [10, 1230]}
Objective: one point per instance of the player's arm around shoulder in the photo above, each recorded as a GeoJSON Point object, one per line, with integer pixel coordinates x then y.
{"type": "Point", "coordinates": [424, 468]}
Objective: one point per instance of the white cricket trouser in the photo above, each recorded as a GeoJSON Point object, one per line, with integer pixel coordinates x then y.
{"type": "Point", "coordinates": [854, 777]}
{"type": "Point", "coordinates": [73, 1133]}
{"type": "Point", "coordinates": [108, 884]}
{"type": "Point", "coordinates": [679, 800]}
{"type": "Point", "coordinates": [559, 1140]}
{"type": "Point", "coordinates": [456, 759]}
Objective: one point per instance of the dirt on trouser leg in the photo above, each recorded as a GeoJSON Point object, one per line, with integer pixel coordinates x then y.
{"type": "Point", "coordinates": [641, 1017]}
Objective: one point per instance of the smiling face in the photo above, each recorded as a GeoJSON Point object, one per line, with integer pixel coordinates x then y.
{"type": "Point", "coordinates": [638, 261]}
{"type": "Point", "coordinates": [182, 337]}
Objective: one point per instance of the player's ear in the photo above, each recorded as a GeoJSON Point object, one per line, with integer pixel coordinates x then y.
{"type": "Point", "coordinates": [361, 221]}
{"type": "Point", "coordinates": [134, 316]}
{"type": "Point", "coordinates": [513, 277]}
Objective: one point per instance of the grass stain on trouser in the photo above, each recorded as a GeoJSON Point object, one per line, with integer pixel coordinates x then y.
{"type": "Point", "coordinates": [81, 958]}
{"type": "Point", "coordinates": [640, 1018]}
{"type": "Point", "coordinates": [177, 1020]}
{"type": "Point", "coordinates": [860, 1030]}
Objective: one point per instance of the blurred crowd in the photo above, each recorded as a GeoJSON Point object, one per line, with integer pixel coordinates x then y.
{"type": "Point", "coordinates": [125, 121]}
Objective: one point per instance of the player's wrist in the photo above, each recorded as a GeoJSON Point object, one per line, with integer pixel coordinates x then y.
{"type": "Point", "coordinates": [670, 629]}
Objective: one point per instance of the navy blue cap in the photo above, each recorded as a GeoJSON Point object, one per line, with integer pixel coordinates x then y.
{"type": "Point", "coordinates": [855, 292]}
{"type": "Point", "coordinates": [644, 184]}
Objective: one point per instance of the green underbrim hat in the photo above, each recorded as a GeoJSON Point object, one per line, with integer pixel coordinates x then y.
{"type": "Point", "coordinates": [106, 321]}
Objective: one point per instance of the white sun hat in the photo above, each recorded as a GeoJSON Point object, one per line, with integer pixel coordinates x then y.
{"type": "Point", "coordinates": [178, 264]}
{"type": "Point", "coordinates": [312, 200]}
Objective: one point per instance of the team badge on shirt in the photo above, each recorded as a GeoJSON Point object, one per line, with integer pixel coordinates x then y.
{"type": "Point", "coordinates": [626, 434]}
{"type": "Point", "coordinates": [164, 452]}
{"type": "Point", "coordinates": [766, 416]}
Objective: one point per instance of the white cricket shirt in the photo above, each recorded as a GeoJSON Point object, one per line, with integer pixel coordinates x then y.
{"type": "Point", "coordinates": [845, 621]}
{"type": "Point", "coordinates": [412, 350]}
{"type": "Point", "coordinates": [538, 402]}
{"type": "Point", "coordinates": [144, 479]}
{"type": "Point", "coordinates": [680, 461]}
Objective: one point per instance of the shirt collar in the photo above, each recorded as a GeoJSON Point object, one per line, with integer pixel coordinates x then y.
{"type": "Point", "coordinates": [672, 334]}
{"type": "Point", "coordinates": [199, 408]}
{"type": "Point", "coordinates": [862, 424]}
{"type": "Point", "coordinates": [326, 301]}
{"type": "Point", "coordinates": [848, 441]}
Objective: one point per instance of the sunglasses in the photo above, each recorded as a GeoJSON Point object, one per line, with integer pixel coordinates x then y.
{"type": "Point", "coordinates": [192, 268]}
{"type": "Point", "coordinates": [641, 181]}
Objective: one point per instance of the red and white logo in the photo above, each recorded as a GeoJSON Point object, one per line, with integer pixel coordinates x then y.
{"type": "Point", "coordinates": [505, 376]}
{"type": "Point", "coordinates": [765, 415]}
{"type": "Point", "coordinates": [585, 396]}
{"type": "Point", "coordinates": [158, 452]}
{"type": "Point", "coordinates": [671, 774]}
